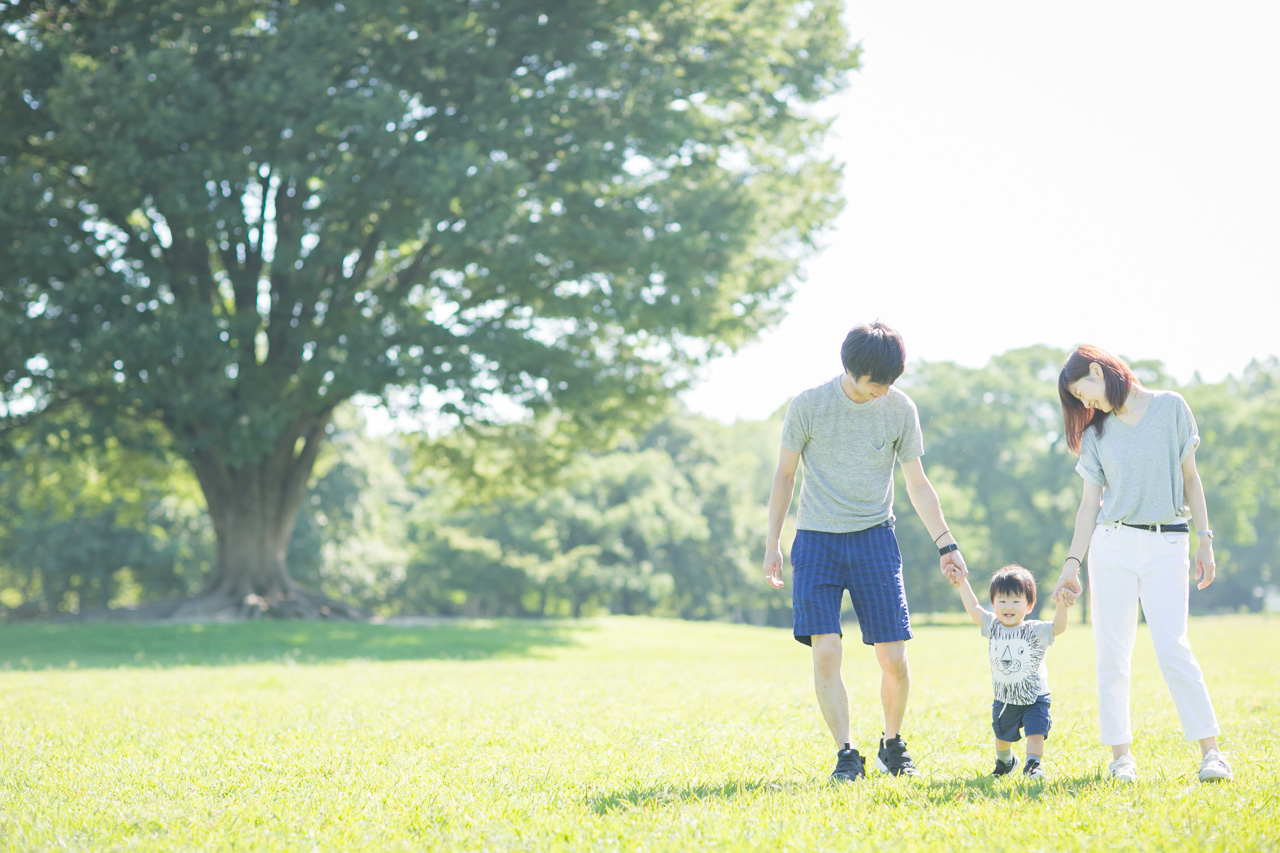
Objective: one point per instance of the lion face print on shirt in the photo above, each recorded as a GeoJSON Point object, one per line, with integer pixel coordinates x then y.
{"type": "Point", "coordinates": [1018, 671]}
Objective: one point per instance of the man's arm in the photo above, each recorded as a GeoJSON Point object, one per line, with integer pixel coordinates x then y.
{"type": "Point", "coordinates": [925, 502]}
{"type": "Point", "coordinates": [784, 485]}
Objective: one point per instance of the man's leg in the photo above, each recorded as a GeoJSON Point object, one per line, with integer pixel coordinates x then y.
{"type": "Point", "coordinates": [895, 685]}
{"type": "Point", "coordinates": [828, 683]}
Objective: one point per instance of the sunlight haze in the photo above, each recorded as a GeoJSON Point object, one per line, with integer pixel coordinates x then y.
{"type": "Point", "coordinates": [1042, 173]}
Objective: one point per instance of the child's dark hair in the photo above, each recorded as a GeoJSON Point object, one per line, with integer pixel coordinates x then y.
{"type": "Point", "coordinates": [875, 350]}
{"type": "Point", "coordinates": [1014, 580]}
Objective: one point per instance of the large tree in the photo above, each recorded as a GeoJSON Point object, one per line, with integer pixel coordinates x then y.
{"type": "Point", "coordinates": [230, 217]}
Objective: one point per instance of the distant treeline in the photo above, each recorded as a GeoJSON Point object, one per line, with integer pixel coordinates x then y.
{"type": "Point", "coordinates": [670, 522]}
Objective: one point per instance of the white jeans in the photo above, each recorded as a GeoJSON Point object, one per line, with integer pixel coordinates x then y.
{"type": "Point", "coordinates": [1128, 566]}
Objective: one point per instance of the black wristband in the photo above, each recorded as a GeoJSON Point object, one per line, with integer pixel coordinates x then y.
{"type": "Point", "coordinates": [1077, 559]}
{"type": "Point", "coordinates": [947, 549]}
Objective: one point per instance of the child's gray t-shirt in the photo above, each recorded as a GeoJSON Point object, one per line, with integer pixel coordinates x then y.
{"type": "Point", "coordinates": [1140, 467]}
{"type": "Point", "coordinates": [847, 451]}
{"type": "Point", "coordinates": [1018, 670]}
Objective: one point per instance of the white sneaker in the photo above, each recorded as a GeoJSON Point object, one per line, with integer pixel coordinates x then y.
{"type": "Point", "coordinates": [1123, 769]}
{"type": "Point", "coordinates": [1214, 767]}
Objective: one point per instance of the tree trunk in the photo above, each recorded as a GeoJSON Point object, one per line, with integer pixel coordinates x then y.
{"type": "Point", "coordinates": [254, 507]}
{"type": "Point", "coordinates": [253, 537]}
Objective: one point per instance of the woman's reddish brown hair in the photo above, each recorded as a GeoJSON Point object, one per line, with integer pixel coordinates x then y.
{"type": "Point", "coordinates": [1115, 373]}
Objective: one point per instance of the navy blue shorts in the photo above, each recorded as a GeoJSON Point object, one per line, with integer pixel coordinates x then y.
{"type": "Point", "coordinates": [867, 564]}
{"type": "Point", "coordinates": [1006, 720]}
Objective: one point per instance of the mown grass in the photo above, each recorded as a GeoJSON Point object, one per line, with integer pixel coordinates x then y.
{"type": "Point", "coordinates": [613, 734]}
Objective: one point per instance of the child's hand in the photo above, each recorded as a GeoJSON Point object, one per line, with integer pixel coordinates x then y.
{"type": "Point", "coordinates": [1065, 596]}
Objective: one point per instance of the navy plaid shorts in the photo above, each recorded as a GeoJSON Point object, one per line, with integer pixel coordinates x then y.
{"type": "Point", "coordinates": [868, 564]}
{"type": "Point", "coordinates": [1007, 720]}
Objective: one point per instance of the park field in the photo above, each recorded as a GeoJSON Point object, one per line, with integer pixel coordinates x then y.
{"type": "Point", "coordinates": [616, 734]}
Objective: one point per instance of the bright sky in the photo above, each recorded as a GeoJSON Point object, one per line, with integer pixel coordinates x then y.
{"type": "Point", "coordinates": [1026, 172]}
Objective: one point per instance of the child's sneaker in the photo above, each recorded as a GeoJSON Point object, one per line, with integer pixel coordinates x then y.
{"type": "Point", "coordinates": [1032, 769]}
{"type": "Point", "coordinates": [1123, 769]}
{"type": "Point", "coordinates": [1005, 768]}
{"type": "Point", "coordinates": [1214, 767]}
{"type": "Point", "coordinates": [894, 759]}
{"type": "Point", "coordinates": [850, 766]}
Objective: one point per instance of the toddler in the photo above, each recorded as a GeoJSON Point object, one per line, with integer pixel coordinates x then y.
{"type": "Point", "coordinates": [1017, 647]}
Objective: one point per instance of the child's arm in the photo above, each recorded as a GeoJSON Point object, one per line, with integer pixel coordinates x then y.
{"type": "Point", "coordinates": [970, 601]}
{"type": "Point", "coordinates": [1060, 617]}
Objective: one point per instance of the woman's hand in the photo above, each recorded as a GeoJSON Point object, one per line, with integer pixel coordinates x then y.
{"type": "Point", "coordinates": [1206, 568]}
{"type": "Point", "coordinates": [1069, 586]}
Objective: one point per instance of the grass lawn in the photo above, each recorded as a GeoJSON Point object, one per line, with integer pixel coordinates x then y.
{"type": "Point", "coordinates": [617, 734]}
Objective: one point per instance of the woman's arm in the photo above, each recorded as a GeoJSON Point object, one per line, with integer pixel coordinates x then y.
{"type": "Point", "coordinates": [1086, 521]}
{"type": "Point", "coordinates": [1193, 491]}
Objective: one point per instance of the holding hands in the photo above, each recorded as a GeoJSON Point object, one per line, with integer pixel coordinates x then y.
{"type": "Point", "coordinates": [1069, 587]}
{"type": "Point", "coordinates": [950, 563]}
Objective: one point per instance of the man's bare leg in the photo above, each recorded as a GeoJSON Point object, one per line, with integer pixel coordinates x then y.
{"type": "Point", "coordinates": [828, 683]}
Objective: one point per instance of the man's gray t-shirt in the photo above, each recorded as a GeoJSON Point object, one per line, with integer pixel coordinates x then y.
{"type": "Point", "coordinates": [1140, 467]}
{"type": "Point", "coordinates": [1018, 670]}
{"type": "Point", "coordinates": [847, 451]}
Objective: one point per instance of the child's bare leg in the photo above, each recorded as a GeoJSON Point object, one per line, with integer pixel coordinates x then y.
{"type": "Point", "coordinates": [1035, 746]}
{"type": "Point", "coordinates": [1003, 746]}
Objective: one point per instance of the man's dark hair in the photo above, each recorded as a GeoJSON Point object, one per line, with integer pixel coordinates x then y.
{"type": "Point", "coordinates": [874, 350]}
{"type": "Point", "coordinates": [1014, 580]}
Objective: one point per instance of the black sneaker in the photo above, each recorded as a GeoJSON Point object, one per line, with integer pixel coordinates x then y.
{"type": "Point", "coordinates": [893, 758]}
{"type": "Point", "coordinates": [1005, 768]}
{"type": "Point", "coordinates": [850, 766]}
{"type": "Point", "coordinates": [1032, 769]}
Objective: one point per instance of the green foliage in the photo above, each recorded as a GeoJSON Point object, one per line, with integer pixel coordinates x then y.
{"type": "Point", "coordinates": [231, 218]}
{"type": "Point", "coordinates": [351, 541]}
{"type": "Point", "coordinates": [87, 523]}
{"type": "Point", "coordinates": [660, 525]}
{"type": "Point", "coordinates": [1239, 463]}
{"type": "Point", "coordinates": [221, 215]}
{"type": "Point", "coordinates": [634, 734]}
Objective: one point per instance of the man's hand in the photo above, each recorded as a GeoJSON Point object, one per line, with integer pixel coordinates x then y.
{"type": "Point", "coordinates": [773, 566]}
{"type": "Point", "coordinates": [953, 567]}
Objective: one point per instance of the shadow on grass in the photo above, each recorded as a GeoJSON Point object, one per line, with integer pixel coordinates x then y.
{"type": "Point", "coordinates": [941, 792]}
{"type": "Point", "coordinates": [977, 788]}
{"type": "Point", "coordinates": [108, 646]}
{"type": "Point", "coordinates": [658, 796]}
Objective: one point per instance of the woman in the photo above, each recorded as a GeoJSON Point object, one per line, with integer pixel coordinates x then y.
{"type": "Point", "coordinates": [1137, 458]}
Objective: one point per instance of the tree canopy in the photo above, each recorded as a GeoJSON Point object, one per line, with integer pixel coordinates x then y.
{"type": "Point", "coordinates": [230, 218]}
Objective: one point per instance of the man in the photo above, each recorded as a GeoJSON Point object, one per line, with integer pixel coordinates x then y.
{"type": "Point", "coordinates": [846, 433]}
